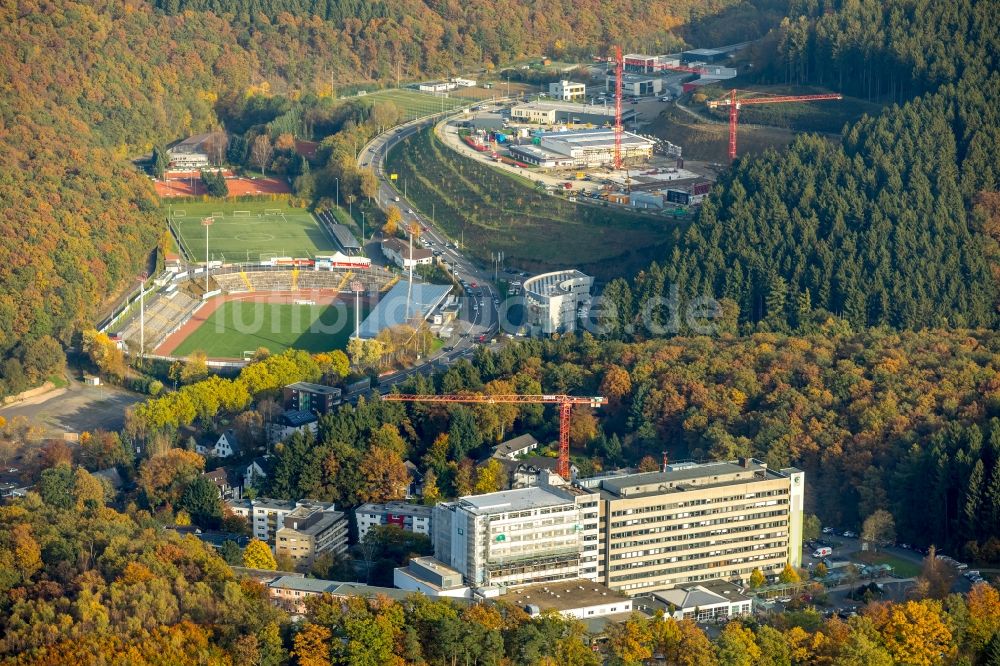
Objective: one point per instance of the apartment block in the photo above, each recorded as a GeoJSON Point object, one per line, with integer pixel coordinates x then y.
{"type": "Point", "coordinates": [519, 537]}
{"type": "Point", "coordinates": [264, 515]}
{"type": "Point", "coordinates": [311, 530]}
{"type": "Point", "coordinates": [409, 517]}
{"type": "Point", "coordinates": [698, 522]}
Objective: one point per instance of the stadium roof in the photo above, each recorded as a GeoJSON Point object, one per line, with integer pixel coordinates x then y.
{"type": "Point", "coordinates": [344, 237]}
{"type": "Point", "coordinates": [392, 309]}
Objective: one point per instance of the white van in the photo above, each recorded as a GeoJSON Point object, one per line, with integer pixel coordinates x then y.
{"type": "Point", "coordinates": [822, 552]}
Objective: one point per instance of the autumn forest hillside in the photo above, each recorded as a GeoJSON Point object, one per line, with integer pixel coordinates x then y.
{"type": "Point", "coordinates": [89, 85]}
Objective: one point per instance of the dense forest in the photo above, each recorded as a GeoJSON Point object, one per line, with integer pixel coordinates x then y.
{"type": "Point", "coordinates": [888, 48]}
{"type": "Point", "coordinates": [907, 422]}
{"type": "Point", "coordinates": [883, 227]}
{"type": "Point", "coordinates": [82, 583]}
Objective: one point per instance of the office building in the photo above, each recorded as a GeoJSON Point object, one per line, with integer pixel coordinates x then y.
{"type": "Point", "coordinates": [432, 577]}
{"type": "Point", "coordinates": [690, 523]}
{"type": "Point", "coordinates": [637, 85]}
{"type": "Point", "coordinates": [567, 91]}
{"type": "Point", "coordinates": [553, 301]}
{"type": "Point", "coordinates": [519, 537]}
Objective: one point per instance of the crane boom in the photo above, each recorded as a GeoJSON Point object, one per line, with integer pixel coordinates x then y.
{"type": "Point", "coordinates": [735, 103]}
{"type": "Point", "coordinates": [565, 403]}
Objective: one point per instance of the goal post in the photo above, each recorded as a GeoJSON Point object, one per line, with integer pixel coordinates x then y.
{"type": "Point", "coordinates": [218, 214]}
{"type": "Point", "coordinates": [241, 213]}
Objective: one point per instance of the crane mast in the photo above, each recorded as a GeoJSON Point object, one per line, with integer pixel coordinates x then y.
{"type": "Point", "coordinates": [565, 403]}
{"type": "Point", "coordinates": [734, 103]}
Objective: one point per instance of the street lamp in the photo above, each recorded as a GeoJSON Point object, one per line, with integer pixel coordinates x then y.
{"type": "Point", "coordinates": [357, 288]}
{"type": "Point", "coordinates": [207, 222]}
{"type": "Point", "coordinates": [142, 314]}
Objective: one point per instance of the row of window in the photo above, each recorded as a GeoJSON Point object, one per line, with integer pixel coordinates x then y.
{"type": "Point", "coordinates": [687, 541]}
{"type": "Point", "coordinates": [696, 546]}
{"type": "Point", "coordinates": [665, 573]}
{"type": "Point", "coordinates": [685, 526]}
{"type": "Point", "coordinates": [700, 556]}
{"type": "Point", "coordinates": [699, 502]}
{"type": "Point", "coordinates": [693, 514]}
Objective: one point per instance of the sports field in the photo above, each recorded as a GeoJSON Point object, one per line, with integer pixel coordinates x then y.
{"type": "Point", "coordinates": [239, 326]}
{"type": "Point", "coordinates": [413, 104]}
{"type": "Point", "coordinates": [248, 231]}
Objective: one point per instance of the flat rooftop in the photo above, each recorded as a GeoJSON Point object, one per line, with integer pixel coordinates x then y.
{"type": "Point", "coordinates": [570, 107]}
{"type": "Point", "coordinates": [321, 389]}
{"type": "Point", "coordinates": [594, 138]}
{"type": "Point", "coordinates": [521, 499]}
{"type": "Point", "coordinates": [563, 596]}
{"type": "Point", "coordinates": [392, 308]}
{"type": "Point", "coordinates": [551, 284]}
{"type": "Point", "coordinates": [396, 507]}
{"type": "Point", "coordinates": [687, 476]}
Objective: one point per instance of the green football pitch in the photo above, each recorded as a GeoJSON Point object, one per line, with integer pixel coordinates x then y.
{"type": "Point", "coordinates": [243, 326]}
{"type": "Point", "coordinates": [413, 104]}
{"type": "Point", "coordinates": [248, 231]}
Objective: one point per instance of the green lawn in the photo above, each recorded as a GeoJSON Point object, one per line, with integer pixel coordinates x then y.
{"type": "Point", "coordinates": [239, 326]}
{"type": "Point", "coordinates": [535, 230]}
{"type": "Point", "coordinates": [901, 567]}
{"type": "Point", "coordinates": [270, 228]}
{"type": "Point", "coordinates": [414, 104]}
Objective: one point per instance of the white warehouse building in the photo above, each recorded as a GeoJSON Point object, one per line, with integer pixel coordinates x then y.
{"type": "Point", "coordinates": [594, 147]}
{"type": "Point", "coordinates": [553, 299]}
{"type": "Point", "coordinates": [519, 537]}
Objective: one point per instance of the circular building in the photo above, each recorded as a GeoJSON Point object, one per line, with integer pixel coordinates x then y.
{"type": "Point", "coordinates": [552, 300]}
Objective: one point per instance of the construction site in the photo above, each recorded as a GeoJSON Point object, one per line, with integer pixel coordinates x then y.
{"type": "Point", "coordinates": [595, 150]}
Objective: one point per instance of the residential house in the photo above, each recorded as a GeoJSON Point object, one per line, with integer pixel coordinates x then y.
{"type": "Point", "coordinates": [515, 447]}
{"type": "Point", "coordinates": [398, 252]}
{"type": "Point", "coordinates": [259, 469]}
{"type": "Point", "coordinates": [226, 445]}
{"type": "Point", "coordinates": [290, 422]}
{"type": "Point", "coordinates": [227, 483]}
{"type": "Point", "coordinates": [416, 487]}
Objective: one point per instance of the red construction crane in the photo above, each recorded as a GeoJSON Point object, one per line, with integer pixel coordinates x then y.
{"type": "Point", "coordinates": [619, 73]}
{"type": "Point", "coordinates": [734, 105]}
{"type": "Point", "coordinates": [565, 403]}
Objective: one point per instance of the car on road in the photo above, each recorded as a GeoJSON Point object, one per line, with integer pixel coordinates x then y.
{"type": "Point", "coordinates": [447, 349]}
{"type": "Point", "coordinates": [850, 535]}
{"type": "Point", "coordinates": [395, 198]}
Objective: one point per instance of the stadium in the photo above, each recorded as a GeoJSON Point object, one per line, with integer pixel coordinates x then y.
{"type": "Point", "coordinates": [293, 284]}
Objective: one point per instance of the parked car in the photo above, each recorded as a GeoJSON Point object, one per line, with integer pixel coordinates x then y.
{"type": "Point", "coordinates": [850, 535]}
{"type": "Point", "coordinates": [827, 530]}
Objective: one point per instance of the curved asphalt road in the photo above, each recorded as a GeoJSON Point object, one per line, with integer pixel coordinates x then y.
{"type": "Point", "coordinates": [479, 317]}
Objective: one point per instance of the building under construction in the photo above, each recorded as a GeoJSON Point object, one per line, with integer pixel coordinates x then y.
{"type": "Point", "coordinates": [583, 148]}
